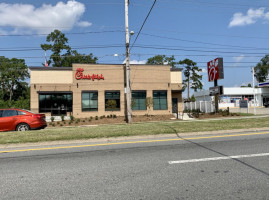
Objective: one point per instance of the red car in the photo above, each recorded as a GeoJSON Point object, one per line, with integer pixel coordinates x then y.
{"type": "Point", "coordinates": [21, 120]}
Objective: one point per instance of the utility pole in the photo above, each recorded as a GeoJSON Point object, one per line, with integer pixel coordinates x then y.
{"type": "Point", "coordinates": [127, 67]}
{"type": "Point", "coordinates": [253, 86]}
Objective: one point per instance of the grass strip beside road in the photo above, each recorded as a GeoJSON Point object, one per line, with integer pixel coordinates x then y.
{"type": "Point", "coordinates": [153, 128]}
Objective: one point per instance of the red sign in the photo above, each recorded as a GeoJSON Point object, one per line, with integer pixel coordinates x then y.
{"type": "Point", "coordinates": [79, 75]}
{"type": "Point", "coordinates": [215, 69]}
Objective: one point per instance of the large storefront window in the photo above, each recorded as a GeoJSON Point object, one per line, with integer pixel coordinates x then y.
{"type": "Point", "coordinates": [139, 100]}
{"type": "Point", "coordinates": [112, 100]}
{"type": "Point", "coordinates": [159, 100]}
{"type": "Point", "coordinates": [90, 101]}
{"type": "Point", "coordinates": [56, 103]}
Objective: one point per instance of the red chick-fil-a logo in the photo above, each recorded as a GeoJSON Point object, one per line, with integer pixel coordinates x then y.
{"type": "Point", "coordinates": [79, 75]}
{"type": "Point", "coordinates": [213, 70]}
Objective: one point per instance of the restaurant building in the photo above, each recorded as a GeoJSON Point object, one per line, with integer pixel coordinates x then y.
{"type": "Point", "coordinates": [97, 89]}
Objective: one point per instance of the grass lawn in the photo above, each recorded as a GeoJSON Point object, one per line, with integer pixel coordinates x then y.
{"type": "Point", "coordinates": [149, 128]}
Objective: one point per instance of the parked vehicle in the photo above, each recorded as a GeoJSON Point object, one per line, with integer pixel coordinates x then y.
{"type": "Point", "coordinates": [21, 120]}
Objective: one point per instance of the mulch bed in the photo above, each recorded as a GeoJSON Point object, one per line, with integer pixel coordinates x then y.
{"type": "Point", "coordinates": [105, 120]}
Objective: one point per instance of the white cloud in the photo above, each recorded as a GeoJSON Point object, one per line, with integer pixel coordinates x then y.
{"type": "Point", "coordinates": [204, 71]}
{"type": "Point", "coordinates": [239, 19]}
{"type": "Point", "coordinates": [44, 19]}
{"type": "Point", "coordinates": [84, 24]}
{"type": "Point", "coordinates": [238, 58]}
{"type": "Point", "coordinates": [136, 62]}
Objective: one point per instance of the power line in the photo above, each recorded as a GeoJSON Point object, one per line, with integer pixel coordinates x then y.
{"type": "Point", "coordinates": [139, 45]}
{"type": "Point", "coordinates": [208, 34]}
{"type": "Point", "coordinates": [192, 41]}
{"type": "Point", "coordinates": [75, 33]}
{"type": "Point", "coordinates": [194, 50]}
{"type": "Point", "coordinates": [194, 55]}
{"type": "Point", "coordinates": [143, 24]}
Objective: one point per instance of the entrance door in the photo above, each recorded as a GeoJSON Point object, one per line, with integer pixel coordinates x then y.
{"type": "Point", "coordinates": [59, 104]}
{"type": "Point", "coordinates": [174, 105]}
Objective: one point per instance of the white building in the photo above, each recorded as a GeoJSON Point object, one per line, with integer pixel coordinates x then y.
{"type": "Point", "coordinates": [232, 95]}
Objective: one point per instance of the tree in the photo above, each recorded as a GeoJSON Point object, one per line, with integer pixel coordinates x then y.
{"type": "Point", "coordinates": [62, 54]}
{"type": "Point", "coordinates": [192, 77]}
{"type": "Point", "coordinates": [59, 44]}
{"type": "Point", "coordinates": [162, 60]}
{"type": "Point", "coordinates": [74, 57]}
{"type": "Point", "coordinates": [12, 74]}
{"type": "Point", "coordinates": [192, 99]}
{"type": "Point", "coordinates": [262, 68]}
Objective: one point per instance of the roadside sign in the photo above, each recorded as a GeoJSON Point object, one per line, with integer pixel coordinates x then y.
{"type": "Point", "coordinates": [215, 69]}
{"type": "Point", "coordinates": [243, 104]}
{"type": "Point", "coordinates": [218, 90]}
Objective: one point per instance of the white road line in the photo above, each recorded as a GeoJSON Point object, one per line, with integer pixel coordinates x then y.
{"type": "Point", "coordinates": [217, 158]}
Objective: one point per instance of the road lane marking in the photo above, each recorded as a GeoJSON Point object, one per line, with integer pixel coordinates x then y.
{"type": "Point", "coordinates": [131, 142]}
{"type": "Point", "coordinates": [217, 158]}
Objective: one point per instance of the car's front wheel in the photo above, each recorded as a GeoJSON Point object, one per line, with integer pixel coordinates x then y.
{"type": "Point", "coordinates": [23, 127]}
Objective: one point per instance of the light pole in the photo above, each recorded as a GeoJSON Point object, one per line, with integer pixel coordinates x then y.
{"type": "Point", "coordinates": [127, 67]}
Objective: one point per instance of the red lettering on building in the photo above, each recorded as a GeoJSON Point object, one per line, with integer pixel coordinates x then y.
{"type": "Point", "coordinates": [79, 75]}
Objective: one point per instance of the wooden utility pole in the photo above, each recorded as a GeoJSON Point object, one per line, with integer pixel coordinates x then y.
{"type": "Point", "coordinates": [127, 67]}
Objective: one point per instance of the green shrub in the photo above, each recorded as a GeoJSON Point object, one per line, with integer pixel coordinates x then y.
{"type": "Point", "coordinates": [53, 124]}
{"type": "Point", "coordinates": [72, 118]}
{"type": "Point", "coordinates": [107, 116]}
{"type": "Point", "coordinates": [96, 117]}
{"type": "Point", "coordinates": [52, 119]}
{"type": "Point", "coordinates": [111, 104]}
{"type": "Point", "coordinates": [62, 117]}
{"type": "Point", "coordinates": [61, 124]}
{"type": "Point", "coordinates": [114, 116]}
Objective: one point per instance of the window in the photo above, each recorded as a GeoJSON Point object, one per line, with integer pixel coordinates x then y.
{"type": "Point", "coordinates": [21, 113]}
{"type": "Point", "coordinates": [90, 101]}
{"type": "Point", "coordinates": [9, 113]}
{"type": "Point", "coordinates": [139, 100]}
{"type": "Point", "coordinates": [159, 100]}
{"type": "Point", "coordinates": [56, 103]}
{"type": "Point", "coordinates": [112, 100]}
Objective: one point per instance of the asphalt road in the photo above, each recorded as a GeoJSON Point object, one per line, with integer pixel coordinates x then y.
{"type": "Point", "coordinates": [233, 166]}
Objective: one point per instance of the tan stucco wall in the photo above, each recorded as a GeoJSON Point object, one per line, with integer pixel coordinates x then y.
{"type": "Point", "coordinates": [143, 77]}
{"type": "Point", "coordinates": [176, 77]}
{"type": "Point", "coordinates": [54, 77]}
{"type": "Point", "coordinates": [113, 80]}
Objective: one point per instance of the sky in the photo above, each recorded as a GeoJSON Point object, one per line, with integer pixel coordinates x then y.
{"type": "Point", "coordinates": [200, 30]}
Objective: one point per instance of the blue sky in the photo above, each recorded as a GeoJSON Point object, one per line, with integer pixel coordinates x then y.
{"type": "Point", "coordinates": [201, 30]}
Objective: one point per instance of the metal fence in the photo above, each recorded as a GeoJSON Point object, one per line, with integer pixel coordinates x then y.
{"type": "Point", "coordinates": [203, 106]}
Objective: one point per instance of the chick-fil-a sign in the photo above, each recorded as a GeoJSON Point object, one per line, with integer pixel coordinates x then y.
{"type": "Point", "coordinates": [79, 75]}
{"type": "Point", "coordinates": [215, 69]}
